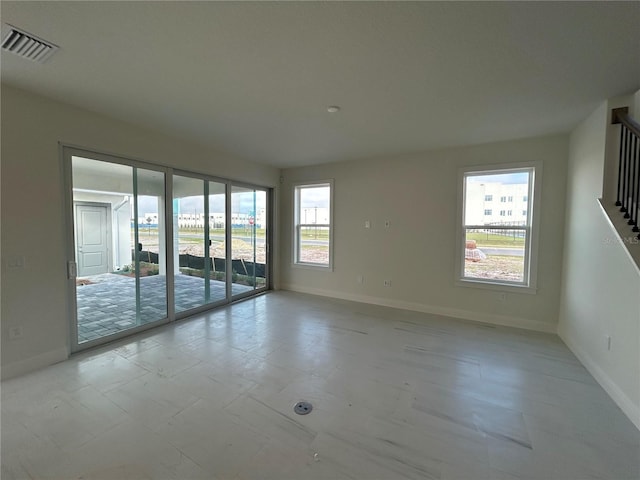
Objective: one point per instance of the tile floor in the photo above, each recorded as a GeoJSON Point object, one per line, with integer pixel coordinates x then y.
{"type": "Point", "coordinates": [108, 304]}
{"type": "Point", "coordinates": [396, 395]}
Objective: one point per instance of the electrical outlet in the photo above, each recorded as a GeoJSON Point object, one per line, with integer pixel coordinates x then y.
{"type": "Point", "coordinates": [387, 283]}
{"type": "Point", "coordinates": [360, 279]}
{"type": "Point", "coordinates": [367, 224]}
{"type": "Point", "coordinates": [387, 224]}
{"type": "Point", "coordinates": [607, 339]}
{"type": "Point", "coordinates": [502, 296]}
{"type": "Point", "coordinates": [15, 333]}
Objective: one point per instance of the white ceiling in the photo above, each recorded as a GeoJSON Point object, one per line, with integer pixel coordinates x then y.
{"type": "Point", "coordinates": [255, 78]}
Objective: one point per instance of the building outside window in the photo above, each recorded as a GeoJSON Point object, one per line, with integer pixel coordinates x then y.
{"type": "Point", "coordinates": [497, 254]}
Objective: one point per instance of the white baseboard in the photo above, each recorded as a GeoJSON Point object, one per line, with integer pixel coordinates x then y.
{"type": "Point", "coordinates": [494, 319]}
{"type": "Point", "coordinates": [23, 367]}
{"type": "Point", "coordinates": [629, 408]}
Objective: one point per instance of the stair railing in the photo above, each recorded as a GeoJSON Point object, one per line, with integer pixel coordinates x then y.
{"type": "Point", "coordinates": [628, 195]}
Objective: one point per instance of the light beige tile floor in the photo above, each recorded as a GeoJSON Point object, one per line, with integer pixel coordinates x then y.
{"type": "Point", "coordinates": [396, 395]}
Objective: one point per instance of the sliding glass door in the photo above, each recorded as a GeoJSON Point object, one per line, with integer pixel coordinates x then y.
{"type": "Point", "coordinates": [119, 246]}
{"type": "Point", "coordinates": [150, 245]}
{"type": "Point", "coordinates": [150, 265]}
{"type": "Point", "coordinates": [249, 239]}
{"type": "Point", "coordinates": [199, 242]}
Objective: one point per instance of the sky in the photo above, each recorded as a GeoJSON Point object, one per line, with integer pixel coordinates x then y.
{"type": "Point", "coordinates": [241, 202]}
{"type": "Point", "coordinates": [505, 178]}
{"type": "Point", "coordinates": [315, 197]}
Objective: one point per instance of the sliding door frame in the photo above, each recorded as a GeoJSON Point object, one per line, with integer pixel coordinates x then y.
{"type": "Point", "coordinates": [206, 179]}
{"type": "Point", "coordinates": [267, 238]}
{"type": "Point", "coordinates": [67, 152]}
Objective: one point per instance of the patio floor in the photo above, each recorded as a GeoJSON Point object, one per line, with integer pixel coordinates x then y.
{"type": "Point", "coordinates": [108, 304]}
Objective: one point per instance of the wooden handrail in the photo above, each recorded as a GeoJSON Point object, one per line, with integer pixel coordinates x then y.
{"type": "Point", "coordinates": [621, 115]}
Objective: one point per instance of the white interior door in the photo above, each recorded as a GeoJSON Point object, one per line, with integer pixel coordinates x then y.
{"type": "Point", "coordinates": [92, 239]}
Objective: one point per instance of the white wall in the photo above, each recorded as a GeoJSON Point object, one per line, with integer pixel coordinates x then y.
{"type": "Point", "coordinates": [35, 297]}
{"type": "Point", "coordinates": [601, 285]}
{"type": "Point", "coordinates": [418, 195]}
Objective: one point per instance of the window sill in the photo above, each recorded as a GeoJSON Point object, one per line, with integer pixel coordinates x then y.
{"type": "Point", "coordinates": [496, 286]}
{"type": "Point", "coordinates": [313, 266]}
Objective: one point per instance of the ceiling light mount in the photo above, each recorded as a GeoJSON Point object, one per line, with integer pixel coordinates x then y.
{"type": "Point", "coordinates": [333, 108]}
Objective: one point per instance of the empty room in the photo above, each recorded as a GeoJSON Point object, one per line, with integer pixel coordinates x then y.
{"type": "Point", "coordinates": [320, 240]}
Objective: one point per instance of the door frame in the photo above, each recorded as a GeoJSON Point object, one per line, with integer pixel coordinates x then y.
{"type": "Point", "coordinates": [107, 207]}
{"type": "Point", "coordinates": [66, 152]}
{"type": "Point", "coordinates": [205, 179]}
{"type": "Point", "coordinates": [267, 238]}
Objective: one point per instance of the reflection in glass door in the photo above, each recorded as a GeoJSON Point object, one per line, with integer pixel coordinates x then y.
{"type": "Point", "coordinates": [217, 241]}
{"type": "Point", "coordinates": [206, 244]}
{"type": "Point", "coordinates": [249, 240]}
{"type": "Point", "coordinates": [199, 242]}
{"type": "Point", "coordinates": [150, 257]}
{"type": "Point", "coordinates": [119, 248]}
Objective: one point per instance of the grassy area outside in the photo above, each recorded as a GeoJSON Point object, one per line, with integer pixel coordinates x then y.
{"type": "Point", "coordinates": [314, 233]}
{"type": "Point", "coordinates": [484, 239]}
{"type": "Point", "coordinates": [195, 235]}
{"type": "Point", "coordinates": [238, 231]}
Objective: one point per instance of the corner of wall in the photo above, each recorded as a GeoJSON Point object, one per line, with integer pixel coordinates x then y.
{"type": "Point", "coordinates": [600, 282]}
{"type": "Point", "coordinates": [626, 404]}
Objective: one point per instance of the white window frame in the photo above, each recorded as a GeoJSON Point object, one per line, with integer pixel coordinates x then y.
{"type": "Point", "coordinates": [297, 225]}
{"type": "Point", "coordinates": [529, 283]}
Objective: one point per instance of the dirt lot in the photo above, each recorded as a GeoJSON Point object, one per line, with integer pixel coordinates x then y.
{"type": "Point", "coordinates": [497, 267]}
{"type": "Point", "coordinates": [241, 249]}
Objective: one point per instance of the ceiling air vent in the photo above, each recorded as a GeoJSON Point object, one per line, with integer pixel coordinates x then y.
{"type": "Point", "coordinates": [26, 44]}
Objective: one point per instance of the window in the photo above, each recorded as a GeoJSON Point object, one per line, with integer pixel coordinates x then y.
{"type": "Point", "coordinates": [488, 198]}
{"type": "Point", "coordinates": [312, 229]}
{"type": "Point", "coordinates": [498, 254]}
{"type": "Point", "coordinates": [488, 212]}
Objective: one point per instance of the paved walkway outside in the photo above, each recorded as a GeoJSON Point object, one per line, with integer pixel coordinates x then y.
{"type": "Point", "coordinates": [108, 304]}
